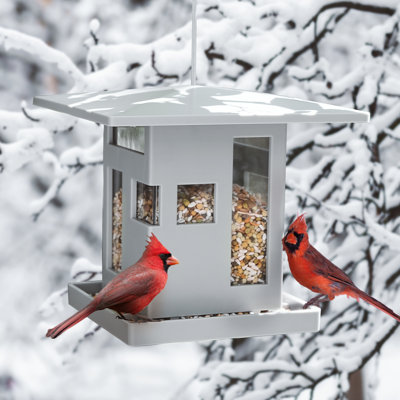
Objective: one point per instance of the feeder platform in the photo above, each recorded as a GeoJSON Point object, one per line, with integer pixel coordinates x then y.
{"type": "Point", "coordinates": [291, 318]}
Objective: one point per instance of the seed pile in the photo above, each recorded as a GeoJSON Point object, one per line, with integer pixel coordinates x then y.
{"type": "Point", "coordinates": [195, 204]}
{"type": "Point", "coordinates": [117, 230]}
{"type": "Point", "coordinates": [249, 238]}
{"type": "Point", "coordinates": [145, 205]}
{"type": "Point", "coordinates": [136, 318]}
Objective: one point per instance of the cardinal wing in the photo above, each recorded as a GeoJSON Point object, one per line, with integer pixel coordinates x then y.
{"type": "Point", "coordinates": [126, 287]}
{"type": "Point", "coordinates": [325, 268]}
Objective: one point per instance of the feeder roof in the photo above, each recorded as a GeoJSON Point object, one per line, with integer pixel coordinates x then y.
{"type": "Point", "coordinates": [194, 105]}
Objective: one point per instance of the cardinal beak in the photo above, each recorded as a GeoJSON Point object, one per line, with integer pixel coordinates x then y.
{"type": "Point", "coordinates": [290, 238]}
{"type": "Point", "coordinates": [172, 261]}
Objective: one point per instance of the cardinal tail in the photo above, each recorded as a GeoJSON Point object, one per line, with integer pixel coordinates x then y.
{"type": "Point", "coordinates": [71, 321]}
{"type": "Point", "coordinates": [376, 303]}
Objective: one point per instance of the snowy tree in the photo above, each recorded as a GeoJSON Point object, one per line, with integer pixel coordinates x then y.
{"type": "Point", "coordinates": [345, 176]}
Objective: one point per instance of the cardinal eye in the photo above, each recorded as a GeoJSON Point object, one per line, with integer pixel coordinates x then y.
{"type": "Point", "coordinates": [299, 236]}
{"type": "Point", "coordinates": [165, 256]}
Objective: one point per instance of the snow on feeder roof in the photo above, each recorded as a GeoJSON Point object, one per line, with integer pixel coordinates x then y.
{"type": "Point", "coordinates": [194, 105]}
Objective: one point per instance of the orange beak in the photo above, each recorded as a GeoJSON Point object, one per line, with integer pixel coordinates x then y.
{"type": "Point", "coordinates": [172, 261]}
{"type": "Point", "coordinates": [290, 238]}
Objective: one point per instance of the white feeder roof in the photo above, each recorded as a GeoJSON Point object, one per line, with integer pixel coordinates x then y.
{"type": "Point", "coordinates": [194, 105]}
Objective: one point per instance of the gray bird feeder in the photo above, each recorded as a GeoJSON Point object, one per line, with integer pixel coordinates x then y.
{"type": "Point", "coordinates": [203, 168]}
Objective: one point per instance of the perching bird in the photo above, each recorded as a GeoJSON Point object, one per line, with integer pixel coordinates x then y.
{"type": "Point", "coordinates": [314, 271]}
{"type": "Point", "coordinates": [131, 290]}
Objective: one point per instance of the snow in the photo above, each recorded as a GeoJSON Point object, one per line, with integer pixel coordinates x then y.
{"type": "Point", "coordinates": [386, 370]}
{"type": "Point", "coordinates": [17, 41]}
{"type": "Point", "coordinates": [94, 25]}
{"type": "Point", "coordinates": [79, 155]}
{"type": "Point", "coordinates": [383, 236]}
{"type": "Point", "coordinates": [28, 146]}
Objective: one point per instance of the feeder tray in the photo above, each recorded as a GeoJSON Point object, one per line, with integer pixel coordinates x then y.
{"type": "Point", "coordinates": [291, 318]}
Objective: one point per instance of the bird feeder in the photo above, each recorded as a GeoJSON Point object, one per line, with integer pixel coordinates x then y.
{"type": "Point", "coordinates": [203, 168]}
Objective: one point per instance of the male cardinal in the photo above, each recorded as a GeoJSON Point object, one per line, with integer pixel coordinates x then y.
{"type": "Point", "coordinates": [314, 271]}
{"type": "Point", "coordinates": [131, 290]}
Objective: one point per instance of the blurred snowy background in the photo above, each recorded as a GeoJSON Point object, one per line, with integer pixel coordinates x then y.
{"type": "Point", "coordinates": [346, 177]}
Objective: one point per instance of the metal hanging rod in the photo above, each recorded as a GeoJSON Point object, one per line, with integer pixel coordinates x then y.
{"type": "Point", "coordinates": [194, 42]}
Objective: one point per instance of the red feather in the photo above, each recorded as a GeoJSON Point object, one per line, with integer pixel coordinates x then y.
{"type": "Point", "coordinates": [314, 271]}
{"type": "Point", "coordinates": [131, 290]}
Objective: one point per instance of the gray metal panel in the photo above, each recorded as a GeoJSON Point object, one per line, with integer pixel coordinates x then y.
{"type": "Point", "coordinates": [195, 155]}
{"type": "Point", "coordinates": [134, 167]}
{"type": "Point", "coordinates": [107, 209]}
{"type": "Point", "coordinates": [291, 318]}
{"type": "Point", "coordinates": [194, 105]}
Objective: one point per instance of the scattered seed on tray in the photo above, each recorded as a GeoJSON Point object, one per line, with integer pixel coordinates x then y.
{"type": "Point", "coordinates": [195, 204]}
{"type": "Point", "coordinates": [249, 238]}
{"type": "Point", "coordinates": [130, 319]}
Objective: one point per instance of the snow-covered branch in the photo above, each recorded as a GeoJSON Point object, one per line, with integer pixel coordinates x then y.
{"type": "Point", "coordinates": [11, 40]}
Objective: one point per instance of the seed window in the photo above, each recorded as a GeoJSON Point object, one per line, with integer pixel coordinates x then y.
{"type": "Point", "coordinates": [116, 220]}
{"type": "Point", "coordinates": [131, 138]}
{"type": "Point", "coordinates": [147, 203]}
{"type": "Point", "coordinates": [249, 211]}
{"type": "Point", "coordinates": [195, 204]}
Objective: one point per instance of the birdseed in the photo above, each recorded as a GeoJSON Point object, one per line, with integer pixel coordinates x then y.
{"type": "Point", "coordinates": [195, 204]}
{"type": "Point", "coordinates": [117, 230]}
{"type": "Point", "coordinates": [249, 238]}
{"type": "Point", "coordinates": [131, 318]}
{"type": "Point", "coordinates": [147, 209]}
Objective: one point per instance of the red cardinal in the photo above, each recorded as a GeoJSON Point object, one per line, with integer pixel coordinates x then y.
{"type": "Point", "coordinates": [312, 270]}
{"type": "Point", "coordinates": [131, 290]}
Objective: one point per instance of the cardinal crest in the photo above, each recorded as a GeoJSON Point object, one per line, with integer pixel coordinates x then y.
{"type": "Point", "coordinates": [154, 246]}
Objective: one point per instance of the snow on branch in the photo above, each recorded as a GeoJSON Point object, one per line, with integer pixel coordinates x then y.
{"type": "Point", "coordinates": [382, 235]}
{"type": "Point", "coordinates": [29, 145]}
{"type": "Point", "coordinates": [39, 51]}
{"type": "Point", "coordinates": [70, 163]}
